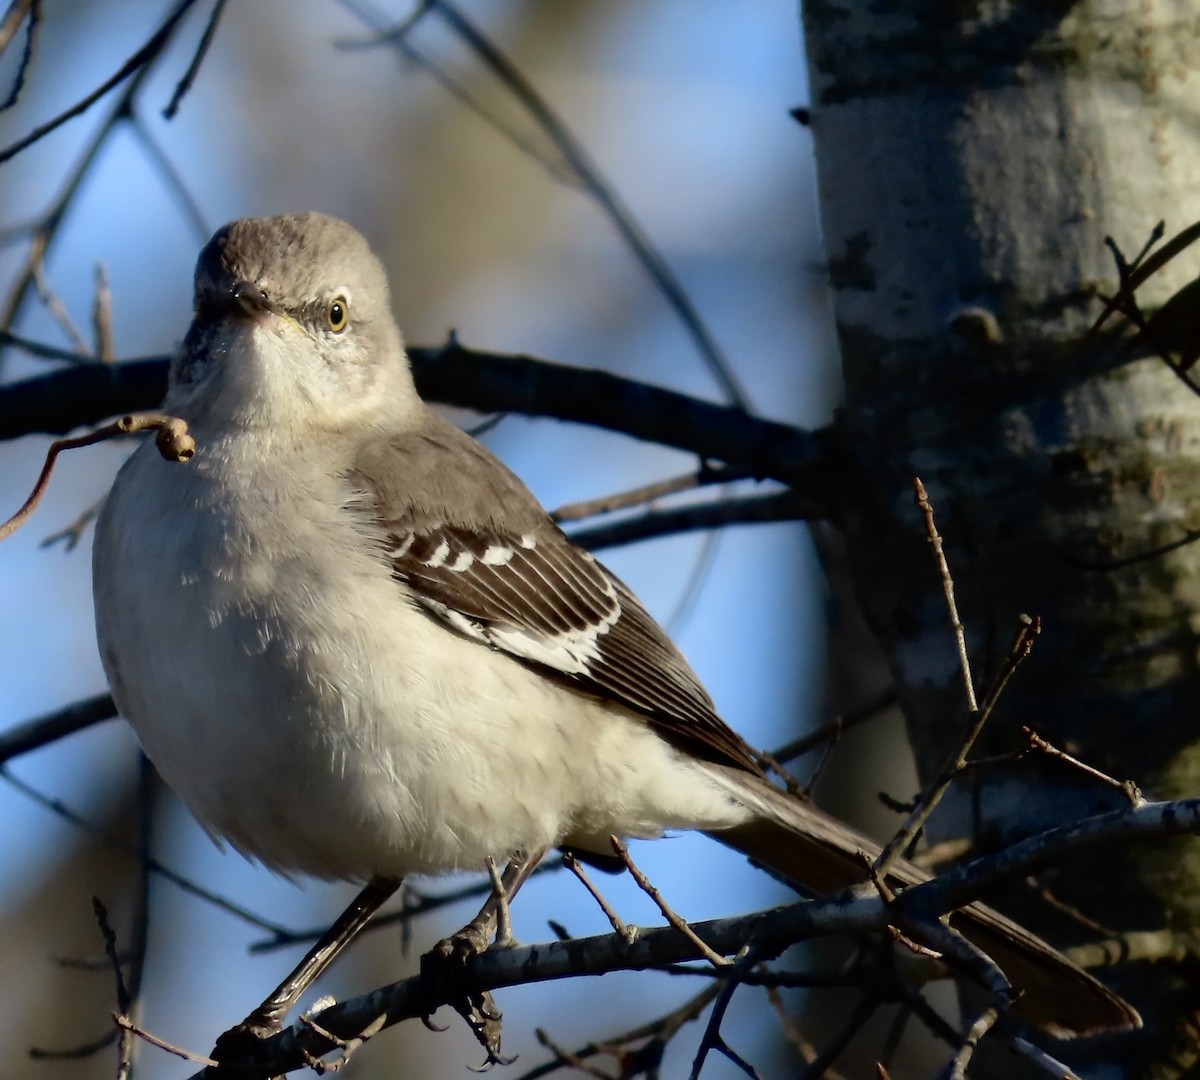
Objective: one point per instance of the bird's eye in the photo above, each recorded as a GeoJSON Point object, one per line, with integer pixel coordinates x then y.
{"type": "Point", "coordinates": [338, 314]}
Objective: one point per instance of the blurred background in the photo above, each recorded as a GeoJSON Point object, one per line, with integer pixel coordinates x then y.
{"type": "Point", "coordinates": [684, 108]}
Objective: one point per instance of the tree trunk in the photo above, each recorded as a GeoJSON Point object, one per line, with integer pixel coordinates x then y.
{"type": "Point", "coordinates": [970, 169]}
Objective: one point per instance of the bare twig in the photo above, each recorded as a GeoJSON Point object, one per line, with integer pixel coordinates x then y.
{"type": "Point", "coordinates": [1050, 1065]}
{"type": "Point", "coordinates": [1028, 630]}
{"type": "Point", "coordinates": [187, 1055]}
{"type": "Point", "coordinates": [1133, 277]}
{"type": "Point", "coordinates": [790, 1031]}
{"type": "Point", "coordinates": [751, 509]}
{"type": "Point", "coordinates": [833, 730]}
{"type": "Point", "coordinates": [173, 439]}
{"type": "Point", "coordinates": [623, 500]}
{"type": "Point", "coordinates": [712, 1038]}
{"type": "Point", "coordinates": [400, 37]}
{"type": "Point", "coordinates": [38, 348]}
{"type": "Point", "coordinates": [138, 61]}
{"type": "Point", "coordinates": [102, 329]}
{"type": "Point", "coordinates": [594, 183]}
{"type": "Point", "coordinates": [677, 921]}
{"type": "Point", "coordinates": [645, 1058]}
{"type": "Point", "coordinates": [13, 18]}
{"type": "Point", "coordinates": [1108, 565]}
{"type": "Point", "coordinates": [172, 177]}
{"type": "Point", "coordinates": [845, 1035]}
{"type": "Point", "coordinates": [45, 231]}
{"type": "Point", "coordinates": [1126, 787]}
{"type": "Point", "coordinates": [124, 998]}
{"type": "Point", "coordinates": [576, 868]}
{"type": "Point", "coordinates": [70, 535]}
{"type": "Point", "coordinates": [59, 808]}
{"type": "Point", "coordinates": [939, 554]}
{"type": "Point", "coordinates": [189, 76]}
{"type": "Point", "coordinates": [51, 302]}
{"type": "Point", "coordinates": [956, 1069]}
{"type": "Point", "coordinates": [573, 1059]}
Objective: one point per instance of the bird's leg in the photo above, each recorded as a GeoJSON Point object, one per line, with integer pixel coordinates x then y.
{"type": "Point", "coordinates": [473, 938]}
{"type": "Point", "coordinates": [268, 1018]}
{"type": "Point", "coordinates": [443, 965]}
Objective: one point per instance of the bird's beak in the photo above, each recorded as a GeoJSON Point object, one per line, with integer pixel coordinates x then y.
{"type": "Point", "coordinates": [252, 300]}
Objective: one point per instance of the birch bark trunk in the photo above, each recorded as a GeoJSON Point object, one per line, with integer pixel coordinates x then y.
{"type": "Point", "coordinates": [971, 159]}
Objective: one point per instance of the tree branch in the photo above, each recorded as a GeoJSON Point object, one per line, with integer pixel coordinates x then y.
{"type": "Point", "coordinates": [452, 375]}
{"type": "Point", "coordinates": [851, 912]}
{"type": "Point", "coordinates": [21, 738]}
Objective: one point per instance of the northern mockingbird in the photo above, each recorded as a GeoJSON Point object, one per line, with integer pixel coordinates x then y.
{"type": "Point", "coordinates": [357, 647]}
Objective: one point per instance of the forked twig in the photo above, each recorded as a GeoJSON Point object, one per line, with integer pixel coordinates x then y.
{"type": "Point", "coordinates": [348, 1047]}
{"type": "Point", "coordinates": [628, 933]}
{"type": "Point", "coordinates": [139, 60]}
{"type": "Point", "coordinates": [677, 921]}
{"type": "Point", "coordinates": [1028, 629]}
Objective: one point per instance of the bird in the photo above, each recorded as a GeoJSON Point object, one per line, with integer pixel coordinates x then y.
{"type": "Point", "coordinates": [357, 648]}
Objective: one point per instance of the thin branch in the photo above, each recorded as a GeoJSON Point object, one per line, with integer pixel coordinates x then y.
{"type": "Point", "coordinates": [623, 500]}
{"type": "Point", "coordinates": [102, 330]}
{"type": "Point", "coordinates": [59, 808]}
{"type": "Point", "coordinates": [658, 1033]}
{"type": "Point", "coordinates": [862, 1012]}
{"type": "Point", "coordinates": [70, 534]}
{"type": "Point", "coordinates": [401, 38]}
{"type": "Point", "coordinates": [1050, 1065]}
{"type": "Point", "coordinates": [127, 1024]}
{"type": "Point", "coordinates": [576, 868]}
{"type": "Point", "coordinates": [1027, 632]}
{"type": "Point", "coordinates": [38, 348]}
{"type": "Point", "coordinates": [189, 76]}
{"type": "Point", "coordinates": [138, 61]}
{"type": "Point", "coordinates": [668, 913]}
{"type": "Point", "coordinates": [46, 230]}
{"type": "Point", "coordinates": [172, 177]}
{"type": "Point", "coordinates": [54, 306]}
{"type": "Point", "coordinates": [749, 510]}
{"type": "Point", "coordinates": [832, 730]}
{"type": "Point", "coordinates": [712, 1038]}
{"type": "Point", "coordinates": [1133, 277]}
{"type": "Point", "coordinates": [939, 555]}
{"type": "Point", "coordinates": [956, 1068]}
{"type": "Point", "coordinates": [50, 727]}
{"type": "Point", "coordinates": [1126, 787]}
{"type": "Point", "coordinates": [605, 195]}
{"type": "Point", "coordinates": [13, 18]}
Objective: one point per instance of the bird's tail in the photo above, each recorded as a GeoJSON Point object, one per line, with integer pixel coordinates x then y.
{"type": "Point", "coordinates": [821, 855]}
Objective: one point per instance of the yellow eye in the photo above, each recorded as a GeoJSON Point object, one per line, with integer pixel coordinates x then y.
{"type": "Point", "coordinates": [338, 314]}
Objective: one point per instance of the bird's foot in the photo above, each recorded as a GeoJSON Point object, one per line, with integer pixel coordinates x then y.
{"type": "Point", "coordinates": [445, 966]}
{"type": "Point", "coordinates": [445, 970]}
{"type": "Point", "coordinates": [244, 1043]}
